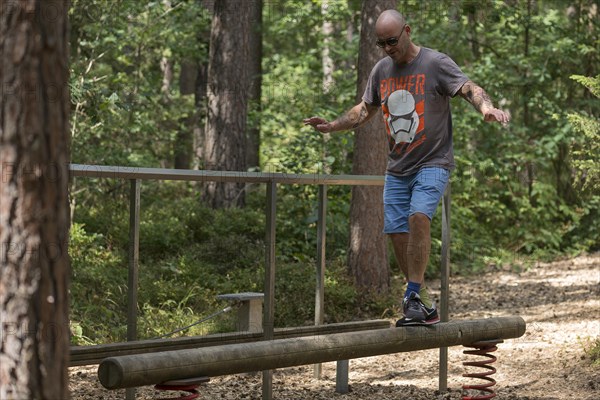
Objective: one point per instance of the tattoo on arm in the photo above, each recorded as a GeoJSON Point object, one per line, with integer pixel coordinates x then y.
{"type": "Point", "coordinates": [347, 120]}
{"type": "Point", "coordinates": [353, 118]}
{"type": "Point", "coordinates": [475, 95]}
{"type": "Point", "coordinates": [362, 116]}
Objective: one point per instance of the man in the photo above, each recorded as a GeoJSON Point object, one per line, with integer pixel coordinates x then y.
{"type": "Point", "coordinates": [413, 85]}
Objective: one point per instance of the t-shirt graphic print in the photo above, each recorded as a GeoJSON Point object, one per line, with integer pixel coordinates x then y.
{"type": "Point", "coordinates": [403, 116]}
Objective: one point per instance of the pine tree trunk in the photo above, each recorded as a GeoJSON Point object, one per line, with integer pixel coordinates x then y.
{"type": "Point", "coordinates": [326, 60]}
{"type": "Point", "coordinates": [255, 76]}
{"type": "Point", "coordinates": [367, 257]}
{"type": "Point", "coordinates": [530, 167]}
{"type": "Point", "coordinates": [34, 217]}
{"type": "Point", "coordinates": [200, 93]}
{"type": "Point", "coordinates": [225, 139]}
{"type": "Point", "coordinates": [184, 142]}
{"type": "Point", "coordinates": [200, 125]}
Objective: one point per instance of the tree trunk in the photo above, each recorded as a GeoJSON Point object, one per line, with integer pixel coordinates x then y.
{"type": "Point", "coordinates": [200, 126]}
{"type": "Point", "coordinates": [255, 76]}
{"type": "Point", "coordinates": [184, 141]}
{"type": "Point", "coordinates": [225, 138]}
{"type": "Point", "coordinates": [367, 257]}
{"type": "Point", "coordinates": [326, 60]}
{"type": "Point", "coordinates": [166, 68]}
{"type": "Point", "coordinates": [34, 217]}
{"type": "Point", "coordinates": [200, 92]}
{"type": "Point", "coordinates": [530, 168]}
{"type": "Point", "coordinates": [471, 10]}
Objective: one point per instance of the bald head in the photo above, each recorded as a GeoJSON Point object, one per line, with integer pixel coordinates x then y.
{"type": "Point", "coordinates": [390, 19]}
{"type": "Point", "coordinates": [393, 35]}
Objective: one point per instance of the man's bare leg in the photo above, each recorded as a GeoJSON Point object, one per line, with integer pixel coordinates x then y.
{"type": "Point", "coordinates": [419, 246]}
{"type": "Point", "coordinates": [400, 245]}
{"type": "Point", "coordinates": [401, 242]}
{"type": "Point", "coordinates": [412, 249]}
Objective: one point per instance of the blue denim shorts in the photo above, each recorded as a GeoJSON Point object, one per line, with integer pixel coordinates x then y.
{"type": "Point", "coordinates": [417, 193]}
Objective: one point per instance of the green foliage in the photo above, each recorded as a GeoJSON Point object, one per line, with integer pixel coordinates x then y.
{"type": "Point", "coordinates": [592, 348]}
{"type": "Point", "coordinates": [295, 284]}
{"type": "Point", "coordinates": [120, 115]}
{"type": "Point", "coordinates": [586, 152]}
{"type": "Point", "coordinates": [586, 162]}
{"type": "Point", "coordinates": [98, 287]}
{"type": "Point", "coordinates": [293, 85]}
{"type": "Point", "coordinates": [188, 255]}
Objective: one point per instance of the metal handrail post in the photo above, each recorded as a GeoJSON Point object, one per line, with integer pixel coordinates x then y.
{"type": "Point", "coordinates": [445, 285]}
{"type": "Point", "coordinates": [269, 310]}
{"type": "Point", "coordinates": [320, 286]}
{"type": "Point", "coordinates": [134, 254]}
{"type": "Point", "coordinates": [133, 274]}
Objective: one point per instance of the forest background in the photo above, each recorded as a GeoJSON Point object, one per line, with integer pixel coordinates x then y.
{"type": "Point", "coordinates": [140, 91]}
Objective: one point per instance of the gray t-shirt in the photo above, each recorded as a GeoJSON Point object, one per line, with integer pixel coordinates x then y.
{"type": "Point", "coordinates": [415, 100]}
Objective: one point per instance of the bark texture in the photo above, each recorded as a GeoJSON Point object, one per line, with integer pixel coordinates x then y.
{"type": "Point", "coordinates": [227, 92]}
{"type": "Point", "coordinates": [255, 84]}
{"type": "Point", "coordinates": [34, 217]}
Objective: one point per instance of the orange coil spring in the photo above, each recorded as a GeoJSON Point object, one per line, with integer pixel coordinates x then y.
{"type": "Point", "coordinates": [191, 389]}
{"type": "Point", "coordinates": [483, 349]}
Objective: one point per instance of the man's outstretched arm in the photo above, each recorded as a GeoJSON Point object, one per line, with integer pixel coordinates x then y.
{"type": "Point", "coordinates": [475, 95]}
{"type": "Point", "coordinates": [355, 117]}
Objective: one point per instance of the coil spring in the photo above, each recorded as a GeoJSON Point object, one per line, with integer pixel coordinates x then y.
{"type": "Point", "coordinates": [482, 348]}
{"type": "Point", "coordinates": [191, 389]}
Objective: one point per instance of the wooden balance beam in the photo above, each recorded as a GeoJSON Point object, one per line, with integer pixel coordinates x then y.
{"type": "Point", "coordinates": [86, 355]}
{"type": "Point", "coordinates": [148, 369]}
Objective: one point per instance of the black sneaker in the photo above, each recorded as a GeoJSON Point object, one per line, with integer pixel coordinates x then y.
{"type": "Point", "coordinates": [415, 312]}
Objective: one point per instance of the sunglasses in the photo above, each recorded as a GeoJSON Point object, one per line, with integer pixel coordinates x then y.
{"type": "Point", "coordinates": [390, 41]}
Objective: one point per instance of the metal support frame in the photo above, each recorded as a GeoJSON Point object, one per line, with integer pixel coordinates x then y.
{"type": "Point", "coordinates": [269, 309]}
{"type": "Point", "coordinates": [136, 175]}
{"type": "Point", "coordinates": [133, 274]}
{"type": "Point", "coordinates": [341, 376]}
{"type": "Point", "coordinates": [445, 285]}
{"type": "Point", "coordinates": [134, 255]}
{"type": "Point", "coordinates": [320, 283]}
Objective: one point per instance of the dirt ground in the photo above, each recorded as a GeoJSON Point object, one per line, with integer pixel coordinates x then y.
{"type": "Point", "coordinates": [560, 302]}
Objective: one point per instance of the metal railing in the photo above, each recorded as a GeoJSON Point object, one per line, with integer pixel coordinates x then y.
{"type": "Point", "coordinates": [135, 175]}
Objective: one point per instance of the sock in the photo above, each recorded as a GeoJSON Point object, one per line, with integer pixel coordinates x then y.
{"type": "Point", "coordinates": [424, 295]}
{"type": "Point", "coordinates": [412, 287]}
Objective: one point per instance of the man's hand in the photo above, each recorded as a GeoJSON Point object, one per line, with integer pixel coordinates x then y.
{"type": "Point", "coordinates": [319, 124]}
{"type": "Point", "coordinates": [352, 119]}
{"type": "Point", "coordinates": [496, 115]}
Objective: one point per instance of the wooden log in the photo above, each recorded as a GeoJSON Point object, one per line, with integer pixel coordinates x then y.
{"type": "Point", "coordinates": [147, 369]}
{"type": "Point", "coordinates": [86, 355]}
